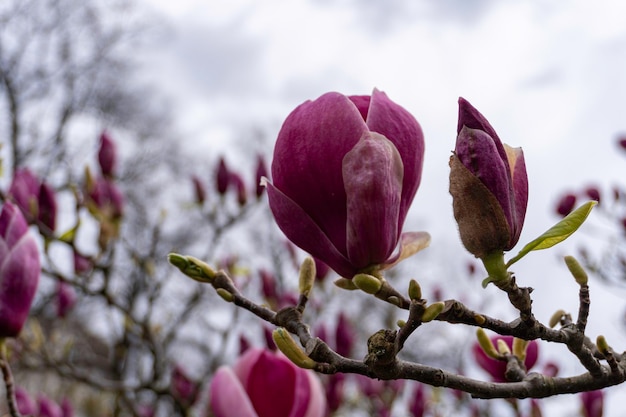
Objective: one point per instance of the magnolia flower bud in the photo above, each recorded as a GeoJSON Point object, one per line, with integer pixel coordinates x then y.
{"type": "Point", "coordinates": [488, 184]}
{"type": "Point", "coordinates": [107, 155]}
{"type": "Point", "coordinates": [19, 270]}
{"type": "Point", "coordinates": [345, 171]}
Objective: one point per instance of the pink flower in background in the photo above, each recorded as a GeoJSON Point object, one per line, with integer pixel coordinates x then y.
{"type": "Point", "coordinates": [19, 270]}
{"type": "Point", "coordinates": [66, 298]}
{"type": "Point", "coordinates": [199, 189]}
{"type": "Point", "coordinates": [265, 384]}
{"type": "Point", "coordinates": [592, 403]}
{"type": "Point", "coordinates": [183, 388]}
{"type": "Point", "coordinates": [48, 408]}
{"type": "Point", "coordinates": [24, 191]}
{"type": "Point", "coordinates": [25, 403]}
{"type": "Point", "coordinates": [566, 204]}
{"type": "Point", "coordinates": [222, 177]}
{"type": "Point", "coordinates": [47, 213]}
{"type": "Point", "coordinates": [497, 368]}
{"type": "Point", "coordinates": [345, 172]}
{"type": "Point", "coordinates": [107, 155]}
{"type": "Point", "coordinates": [261, 171]}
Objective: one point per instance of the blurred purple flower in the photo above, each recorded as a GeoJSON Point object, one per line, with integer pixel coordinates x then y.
{"type": "Point", "coordinates": [199, 189]}
{"type": "Point", "coordinates": [497, 368]}
{"type": "Point", "coordinates": [344, 336]}
{"type": "Point", "coordinates": [24, 191]}
{"type": "Point", "coordinates": [67, 409]}
{"type": "Point", "coordinates": [47, 212]}
{"type": "Point", "coordinates": [417, 403]}
{"type": "Point", "coordinates": [107, 198]}
{"type": "Point", "coordinates": [25, 403]}
{"type": "Point", "coordinates": [66, 298]}
{"type": "Point", "coordinates": [265, 384]}
{"type": "Point", "coordinates": [183, 388]}
{"type": "Point", "coordinates": [107, 155]}
{"type": "Point", "coordinates": [592, 403]}
{"type": "Point", "coordinates": [222, 177]}
{"type": "Point", "coordinates": [237, 182]}
{"type": "Point", "coordinates": [489, 185]}
{"type": "Point", "coordinates": [345, 172]}
{"type": "Point", "coordinates": [593, 193]}
{"type": "Point", "coordinates": [48, 408]}
{"type": "Point", "coordinates": [19, 270]}
{"type": "Point", "coordinates": [566, 205]}
{"type": "Point", "coordinates": [261, 171]}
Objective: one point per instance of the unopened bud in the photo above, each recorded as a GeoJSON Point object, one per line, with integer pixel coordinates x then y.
{"type": "Point", "coordinates": [503, 348]}
{"type": "Point", "coordinates": [192, 267]}
{"type": "Point", "coordinates": [345, 284]}
{"type": "Point", "coordinates": [486, 344]}
{"type": "Point", "coordinates": [367, 283]}
{"type": "Point", "coordinates": [401, 323]}
{"type": "Point", "coordinates": [288, 347]}
{"type": "Point", "coordinates": [519, 348]}
{"type": "Point", "coordinates": [225, 294]}
{"type": "Point", "coordinates": [415, 291]}
{"type": "Point", "coordinates": [479, 318]}
{"type": "Point", "coordinates": [602, 345]}
{"type": "Point", "coordinates": [579, 274]}
{"type": "Point", "coordinates": [432, 311]}
{"type": "Point", "coordinates": [556, 317]}
{"type": "Point", "coordinates": [307, 276]}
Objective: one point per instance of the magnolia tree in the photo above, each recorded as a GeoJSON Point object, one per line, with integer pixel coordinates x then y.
{"type": "Point", "coordinates": [95, 322]}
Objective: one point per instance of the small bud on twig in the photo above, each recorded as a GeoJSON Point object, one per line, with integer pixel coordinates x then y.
{"type": "Point", "coordinates": [225, 294]}
{"type": "Point", "coordinates": [579, 274]}
{"type": "Point", "coordinates": [486, 344]}
{"type": "Point", "coordinates": [345, 284]}
{"type": "Point", "coordinates": [307, 276]}
{"type": "Point", "coordinates": [519, 348]}
{"type": "Point", "coordinates": [288, 347]}
{"type": "Point", "coordinates": [503, 348]}
{"type": "Point", "coordinates": [194, 268]}
{"type": "Point", "coordinates": [415, 291]}
{"type": "Point", "coordinates": [432, 311]}
{"type": "Point", "coordinates": [602, 344]}
{"type": "Point", "coordinates": [556, 318]}
{"type": "Point", "coordinates": [367, 283]}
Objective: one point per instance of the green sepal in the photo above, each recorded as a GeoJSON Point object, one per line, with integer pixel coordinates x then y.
{"type": "Point", "coordinates": [557, 233]}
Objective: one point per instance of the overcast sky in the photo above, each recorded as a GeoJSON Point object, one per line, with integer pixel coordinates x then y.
{"type": "Point", "coordinates": [549, 75]}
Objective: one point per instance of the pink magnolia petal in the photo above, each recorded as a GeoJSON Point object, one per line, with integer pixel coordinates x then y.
{"type": "Point", "coordinates": [303, 231]}
{"type": "Point", "coordinates": [400, 127]}
{"type": "Point", "coordinates": [272, 386]}
{"type": "Point", "coordinates": [228, 396]}
{"type": "Point", "coordinates": [308, 158]}
{"type": "Point", "coordinates": [317, 397]}
{"type": "Point", "coordinates": [519, 179]}
{"type": "Point", "coordinates": [410, 244]}
{"type": "Point", "coordinates": [372, 176]}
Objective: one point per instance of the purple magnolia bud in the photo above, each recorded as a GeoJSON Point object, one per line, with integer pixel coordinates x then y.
{"type": "Point", "coordinates": [107, 197]}
{"type": "Point", "coordinates": [82, 264]}
{"type": "Point", "coordinates": [19, 270]}
{"type": "Point", "coordinates": [48, 408]}
{"type": "Point", "coordinates": [344, 336]}
{"type": "Point", "coordinates": [47, 207]}
{"type": "Point", "coordinates": [240, 187]}
{"type": "Point", "coordinates": [593, 403]}
{"type": "Point", "coordinates": [334, 392]}
{"type": "Point", "coordinates": [25, 403]}
{"type": "Point", "coordinates": [622, 142]}
{"type": "Point", "coordinates": [67, 410]}
{"type": "Point", "coordinates": [265, 384]}
{"type": "Point", "coordinates": [497, 368]}
{"type": "Point", "coordinates": [183, 388]}
{"type": "Point", "coordinates": [222, 177]}
{"type": "Point", "coordinates": [199, 190]}
{"type": "Point", "coordinates": [261, 171]}
{"type": "Point", "coordinates": [24, 191]}
{"type": "Point", "coordinates": [107, 155]}
{"type": "Point", "coordinates": [566, 204]}
{"type": "Point", "coordinates": [66, 298]}
{"type": "Point", "coordinates": [489, 186]}
{"type": "Point", "coordinates": [244, 344]}
{"type": "Point", "coordinates": [593, 193]}
{"type": "Point", "coordinates": [345, 172]}
{"type": "Point", "coordinates": [417, 403]}
{"type": "Point", "coordinates": [268, 286]}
